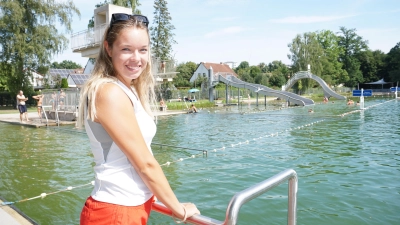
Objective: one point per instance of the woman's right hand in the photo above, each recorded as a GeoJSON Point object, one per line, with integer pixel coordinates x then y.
{"type": "Point", "coordinates": [191, 209]}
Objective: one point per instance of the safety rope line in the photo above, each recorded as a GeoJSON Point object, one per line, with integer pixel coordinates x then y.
{"type": "Point", "coordinates": [166, 145]}
{"type": "Point", "coordinates": [366, 108]}
{"type": "Point", "coordinates": [43, 195]}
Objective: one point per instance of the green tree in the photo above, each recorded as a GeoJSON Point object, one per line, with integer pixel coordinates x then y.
{"type": "Point", "coordinates": [243, 65]}
{"type": "Point", "coordinates": [277, 80]}
{"type": "Point", "coordinates": [371, 64]}
{"type": "Point", "coordinates": [306, 50]}
{"type": "Point", "coordinates": [30, 37]}
{"type": "Point", "coordinates": [261, 79]}
{"type": "Point", "coordinates": [134, 4]}
{"type": "Point", "coordinates": [64, 83]}
{"type": "Point", "coordinates": [186, 71]}
{"type": "Point", "coordinates": [66, 64]}
{"type": "Point", "coordinates": [254, 71]}
{"type": "Point", "coordinates": [278, 68]}
{"type": "Point", "coordinates": [352, 45]}
{"type": "Point", "coordinates": [162, 37]}
{"type": "Point", "coordinates": [332, 70]}
{"type": "Point", "coordinates": [57, 81]}
{"type": "Point", "coordinates": [165, 91]}
{"type": "Point", "coordinates": [263, 67]}
{"type": "Point", "coordinates": [245, 76]}
{"type": "Point", "coordinates": [199, 81]}
{"type": "Point", "coordinates": [392, 68]}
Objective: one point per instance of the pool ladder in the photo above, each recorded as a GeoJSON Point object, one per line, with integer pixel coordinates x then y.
{"type": "Point", "coordinates": [240, 198]}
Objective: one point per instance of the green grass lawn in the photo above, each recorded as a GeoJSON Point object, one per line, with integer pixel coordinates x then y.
{"type": "Point", "coordinates": [182, 105]}
{"type": "Point", "coordinates": [12, 110]}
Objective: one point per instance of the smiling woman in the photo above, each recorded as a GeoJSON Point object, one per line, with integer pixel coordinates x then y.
{"type": "Point", "coordinates": [129, 54]}
{"type": "Point", "coordinates": [127, 175]}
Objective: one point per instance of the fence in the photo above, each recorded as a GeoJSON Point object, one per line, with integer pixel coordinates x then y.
{"type": "Point", "coordinates": [61, 104]}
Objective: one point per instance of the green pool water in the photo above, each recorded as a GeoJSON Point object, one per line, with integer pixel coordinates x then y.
{"type": "Point", "coordinates": [348, 165]}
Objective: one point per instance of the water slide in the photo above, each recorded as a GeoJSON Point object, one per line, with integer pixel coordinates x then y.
{"type": "Point", "coordinates": [292, 98]}
{"type": "Point", "coordinates": [305, 74]}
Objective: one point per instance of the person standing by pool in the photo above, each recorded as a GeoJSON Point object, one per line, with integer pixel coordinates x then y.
{"type": "Point", "coordinates": [115, 108]}
{"type": "Point", "coordinates": [22, 106]}
{"type": "Point", "coordinates": [53, 100]}
{"type": "Point", "coordinates": [62, 97]}
{"type": "Point", "coordinates": [39, 100]}
{"type": "Point", "coordinates": [163, 106]}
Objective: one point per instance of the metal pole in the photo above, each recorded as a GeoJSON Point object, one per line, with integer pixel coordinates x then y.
{"type": "Point", "coordinates": [238, 96]}
{"type": "Point", "coordinates": [362, 99]}
{"type": "Point", "coordinates": [265, 101]}
{"type": "Point", "coordinates": [257, 100]}
{"type": "Point", "coordinates": [226, 94]}
{"type": "Point", "coordinates": [76, 102]}
{"type": "Point", "coordinates": [230, 92]}
{"type": "Point", "coordinates": [244, 196]}
{"type": "Point", "coordinates": [292, 199]}
{"type": "Point", "coordinates": [57, 104]}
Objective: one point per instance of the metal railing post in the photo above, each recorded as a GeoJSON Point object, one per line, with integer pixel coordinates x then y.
{"type": "Point", "coordinates": [244, 196]}
{"type": "Point", "coordinates": [45, 115]}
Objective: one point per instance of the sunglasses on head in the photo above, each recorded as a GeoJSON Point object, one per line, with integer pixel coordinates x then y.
{"type": "Point", "coordinates": [117, 17]}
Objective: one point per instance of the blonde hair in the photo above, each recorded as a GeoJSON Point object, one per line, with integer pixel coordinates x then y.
{"type": "Point", "coordinates": [104, 72]}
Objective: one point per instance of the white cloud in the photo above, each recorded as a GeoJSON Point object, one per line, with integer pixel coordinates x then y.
{"type": "Point", "coordinates": [228, 30]}
{"type": "Point", "coordinates": [308, 19]}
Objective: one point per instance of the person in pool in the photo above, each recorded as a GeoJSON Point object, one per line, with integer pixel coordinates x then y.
{"type": "Point", "coordinates": [193, 109]}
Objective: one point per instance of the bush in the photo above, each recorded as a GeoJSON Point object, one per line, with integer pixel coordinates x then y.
{"type": "Point", "coordinates": [64, 83]}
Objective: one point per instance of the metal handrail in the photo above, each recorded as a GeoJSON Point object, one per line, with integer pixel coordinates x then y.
{"type": "Point", "coordinates": [245, 196]}
{"type": "Point", "coordinates": [195, 219]}
{"type": "Point", "coordinates": [45, 115]}
{"type": "Point", "coordinates": [89, 37]}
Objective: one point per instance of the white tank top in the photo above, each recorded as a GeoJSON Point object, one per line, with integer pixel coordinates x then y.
{"type": "Point", "coordinates": [116, 179]}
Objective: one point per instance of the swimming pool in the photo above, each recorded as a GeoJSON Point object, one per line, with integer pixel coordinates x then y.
{"type": "Point", "coordinates": [347, 165]}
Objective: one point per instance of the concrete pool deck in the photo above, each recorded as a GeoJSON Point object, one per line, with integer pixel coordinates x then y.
{"type": "Point", "coordinates": [11, 216]}
{"type": "Point", "coordinates": [13, 118]}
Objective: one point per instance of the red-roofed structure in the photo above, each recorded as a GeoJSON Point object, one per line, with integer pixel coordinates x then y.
{"type": "Point", "coordinates": [217, 68]}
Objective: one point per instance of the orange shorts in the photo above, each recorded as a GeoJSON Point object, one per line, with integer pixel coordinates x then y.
{"type": "Point", "coordinates": [99, 213]}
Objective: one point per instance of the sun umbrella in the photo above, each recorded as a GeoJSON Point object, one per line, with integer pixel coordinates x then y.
{"type": "Point", "coordinates": [193, 90]}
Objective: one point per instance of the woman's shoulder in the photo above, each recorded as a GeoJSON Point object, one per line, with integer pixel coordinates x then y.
{"type": "Point", "coordinates": [111, 94]}
{"type": "Point", "coordinates": [109, 89]}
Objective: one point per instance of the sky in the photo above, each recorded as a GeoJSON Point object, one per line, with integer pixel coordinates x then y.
{"type": "Point", "coordinates": [258, 30]}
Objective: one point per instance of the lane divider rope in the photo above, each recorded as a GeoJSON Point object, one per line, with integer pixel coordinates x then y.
{"type": "Point", "coordinates": [43, 195]}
